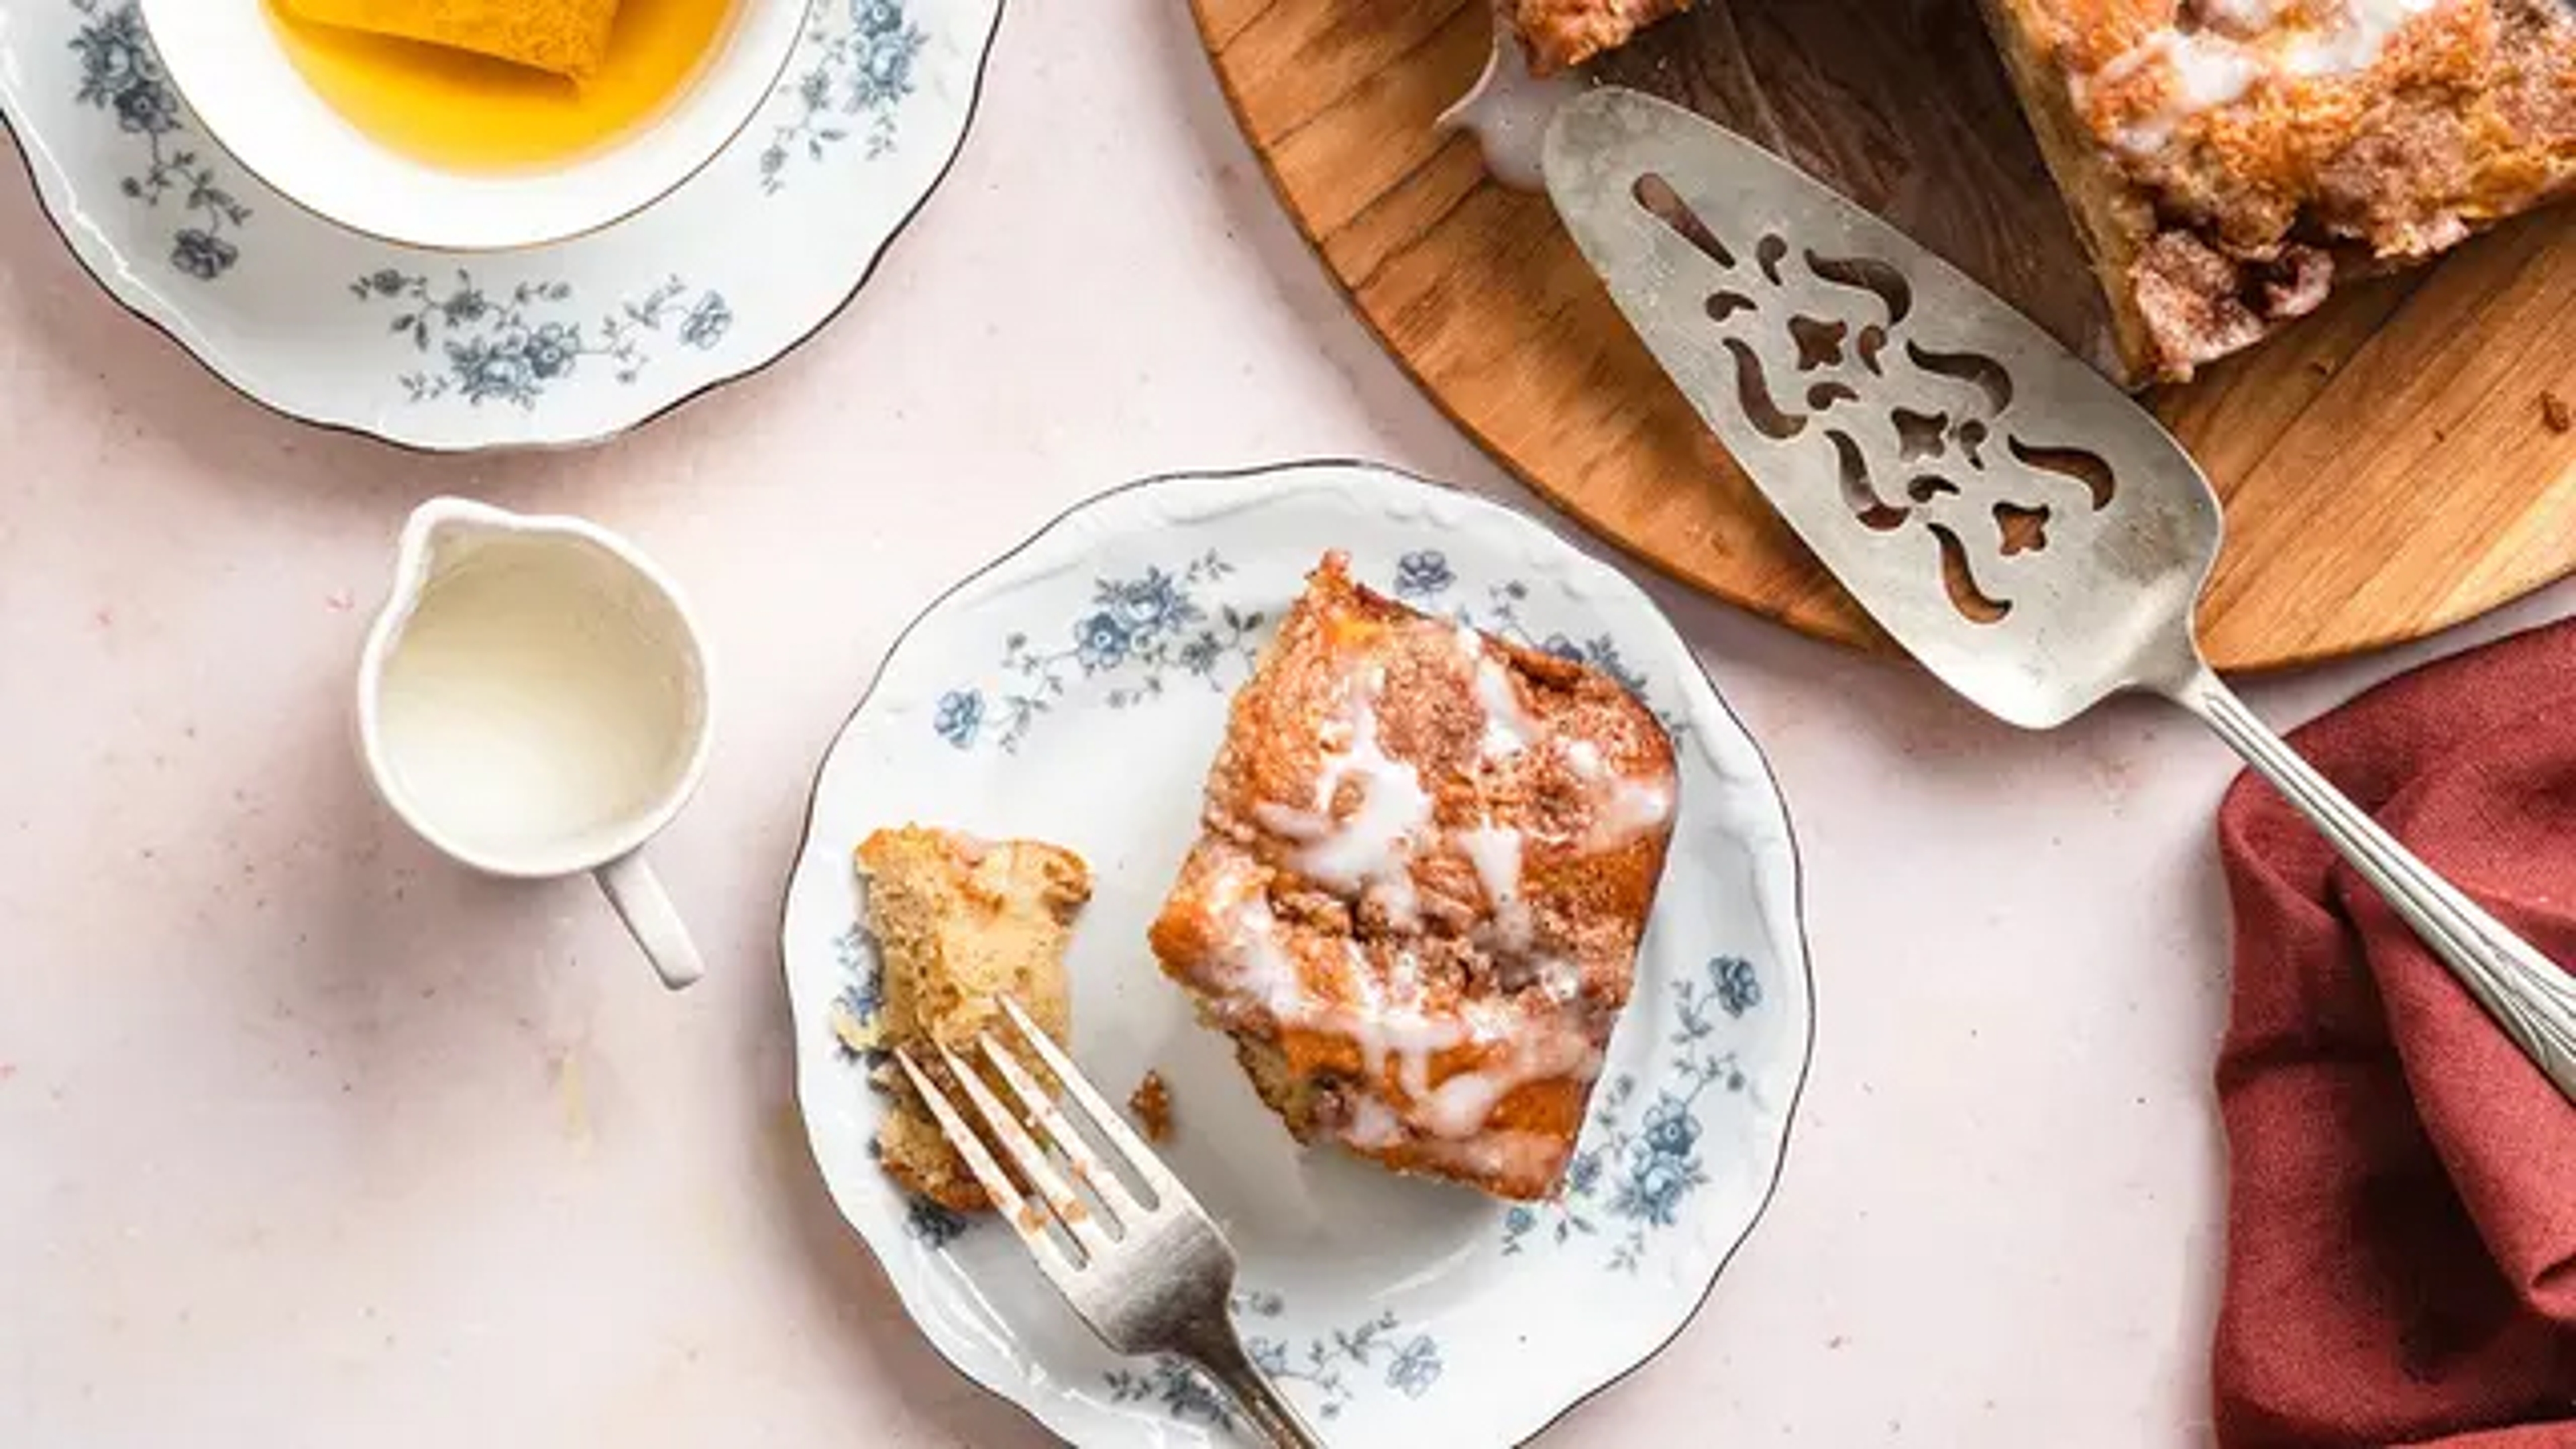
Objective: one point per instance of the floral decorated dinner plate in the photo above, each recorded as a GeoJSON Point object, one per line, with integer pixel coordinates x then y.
{"type": "Point", "coordinates": [1075, 691]}
{"type": "Point", "coordinates": [551, 346]}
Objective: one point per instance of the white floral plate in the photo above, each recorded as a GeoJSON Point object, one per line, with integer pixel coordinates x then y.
{"type": "Point", "coordinates": [552, 346]}
{"type": "Point", "coordinates": [1075, 691]}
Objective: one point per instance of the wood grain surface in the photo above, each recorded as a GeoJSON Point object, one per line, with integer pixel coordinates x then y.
{"type": "Point", "coordinates": [2391, 465]}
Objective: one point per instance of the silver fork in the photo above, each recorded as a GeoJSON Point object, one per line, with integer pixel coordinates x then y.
{"type": "Point", "coordinates": [1154, 1279]}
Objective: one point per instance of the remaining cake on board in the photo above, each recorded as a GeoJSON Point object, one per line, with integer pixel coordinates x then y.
{"type": "Point", "coordinates": [1426, 862]}
{"type": "Point", "coordinates": [2229, 162]}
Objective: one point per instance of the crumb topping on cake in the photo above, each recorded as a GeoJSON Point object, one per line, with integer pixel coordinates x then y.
{"type": "Point", "coordinates": [1562, 34]}
{"type": "Point", "coordinates": [2278, 144]}
{"type": "Point", "coordinates": [1426, 864]}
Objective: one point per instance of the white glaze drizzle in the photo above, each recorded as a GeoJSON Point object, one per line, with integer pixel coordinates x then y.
{"type": "Point", "coordinates": [1508, 727]}
{"type": "Point", "coordinates": [1495, 852]}
{"type": "Point", "coordinates": [1507, 111]}
{"type": "Point", "coordinates": [1373, 1125]}
{"type": "Point", "coordinates": [1370, 853]}
{"type": "Point", "coordinates": [1584, 758]}
{"type": "Point", "coordinates": [1261, 965]}
{"type": "Point", "coordinates": [2250, 43]}
{"type": "Point", "coordinates": [1518, 1048]}
{"type": "Point", "coordinates": [1630, 808]}
{"type": "Point", "coordinates": [1459, 1108]}
{"type": "Point", "coordinates": [1560, 979]}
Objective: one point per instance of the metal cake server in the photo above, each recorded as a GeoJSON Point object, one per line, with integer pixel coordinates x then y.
{"type": "Point", "coordinates": [2032, 535]}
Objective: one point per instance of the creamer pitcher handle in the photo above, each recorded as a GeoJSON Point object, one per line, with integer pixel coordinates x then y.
{"type": "Point", "coordinates": [646, 908]}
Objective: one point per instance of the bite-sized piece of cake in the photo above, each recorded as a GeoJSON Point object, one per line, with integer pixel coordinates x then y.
{"type": "Point", "coordinates": [2229, 161]}
{"type": "Point", "coordinates": [1151, 1105]}
{"type": "Point", "coordinates": [1562, 34]}
{"type": "Point", "coordinates": [567, 37]}
{"type": "Point", "coordinates": [1426, 861]}
{"type": "Point", "coordinates": [959, 924]}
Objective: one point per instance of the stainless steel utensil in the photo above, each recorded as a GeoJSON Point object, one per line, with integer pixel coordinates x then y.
{"type": "Point", "coordinates": [1155, 1277]}
{"type": "Point", "coordinates": [2033, 536]}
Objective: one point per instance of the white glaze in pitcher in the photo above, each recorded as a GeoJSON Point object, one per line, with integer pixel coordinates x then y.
{"type": "Point", "coordinates": [533, 701]}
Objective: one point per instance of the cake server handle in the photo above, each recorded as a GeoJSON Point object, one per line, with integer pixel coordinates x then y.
{"type": "Point", "coordinates": [2530, 996]}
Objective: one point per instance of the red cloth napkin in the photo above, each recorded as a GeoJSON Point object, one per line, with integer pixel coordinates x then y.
{"type": "Point", "coordinates": [2401, 1213]}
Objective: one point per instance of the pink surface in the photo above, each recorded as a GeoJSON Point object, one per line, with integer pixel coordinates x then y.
{"type": "Point", "coordinates": [307, 1138]}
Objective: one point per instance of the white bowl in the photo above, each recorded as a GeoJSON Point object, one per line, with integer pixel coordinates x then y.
{"type": "Point", "coordinates": [228, 63]}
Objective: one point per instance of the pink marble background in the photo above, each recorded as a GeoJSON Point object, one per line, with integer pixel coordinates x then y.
{"type": "Point", "coordinates": [308, 1139]}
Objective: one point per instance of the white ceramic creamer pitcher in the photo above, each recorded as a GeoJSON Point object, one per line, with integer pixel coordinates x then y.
{"type": "Point", "coordinates": [533, 701]}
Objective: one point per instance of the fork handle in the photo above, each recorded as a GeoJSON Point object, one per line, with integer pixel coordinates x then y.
{"type": "Point", "coordinates": [1218, 1351]}
{"type": "Point", "coordinates": [2531, 997]}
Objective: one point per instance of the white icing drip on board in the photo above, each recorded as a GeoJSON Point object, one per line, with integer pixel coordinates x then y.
{"type": "Point", "coordinates": [2249, 42]}
{"type": "Point", "coordinates": [1507, 111]}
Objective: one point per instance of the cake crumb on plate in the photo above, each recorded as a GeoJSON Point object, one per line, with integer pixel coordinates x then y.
{"type": "Point", "coordinates": [1152, 1104]}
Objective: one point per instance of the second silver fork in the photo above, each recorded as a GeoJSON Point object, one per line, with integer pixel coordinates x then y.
{"type": "Point", "coordinates": [1156, 1276]}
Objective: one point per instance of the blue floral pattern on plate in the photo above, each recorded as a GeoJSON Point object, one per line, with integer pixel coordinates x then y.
{"type": "Point", "coordinates": [1639, 1157]}
{"type": "Point", "coordinates": [121, 74]}
{"type": "Point", "coordinates": [1143, 632]}
{"type": "Point", "coordinates": [854, 85]}
{"type": "Point", "coordinates": [870, 109]}
{"type": "Point", "coordinates": [1158, 627]}
{"type": "Point", "coordinates": [1333, 1369]}
{"type": "Point", "coordinates": [1423, 578]}
{"type": "Point", "coordinates": [511, 346]}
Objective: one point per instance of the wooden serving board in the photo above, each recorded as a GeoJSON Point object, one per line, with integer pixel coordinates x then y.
{"type": "Point", "coordinates": [2391, 465]}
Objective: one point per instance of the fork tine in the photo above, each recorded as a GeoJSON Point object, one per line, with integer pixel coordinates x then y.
{"type": "Point", "coordinates": [1140, 1159]}
{"type": "Point", "coordinates": [979, 1160]}
{"type": "Point", "coordinates": [1078, 1155]}
{"type": "Point", "coordinates": [1031, 1159]}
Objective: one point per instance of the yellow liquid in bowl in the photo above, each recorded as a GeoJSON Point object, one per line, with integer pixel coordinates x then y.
{"type": "Point", "coordinates": [465, 112]}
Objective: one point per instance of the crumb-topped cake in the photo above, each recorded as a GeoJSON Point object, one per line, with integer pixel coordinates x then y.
{"type": "Point", "coordinates": [1562, 34]}
{"type": "Point", "coordinates": [959, 924]}
{"type": "Point", "coordinates": [1426, 861]}
{"type": "Point", "coordinates": [2228, 161]}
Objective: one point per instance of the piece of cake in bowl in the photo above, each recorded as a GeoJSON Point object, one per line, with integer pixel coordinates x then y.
{"type": "Point", "coordinates": [1427, 857]}
{"type": "Point", "coordinates": [959, 924]}
{"type": "Point", "coordinates": [567, 37]}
